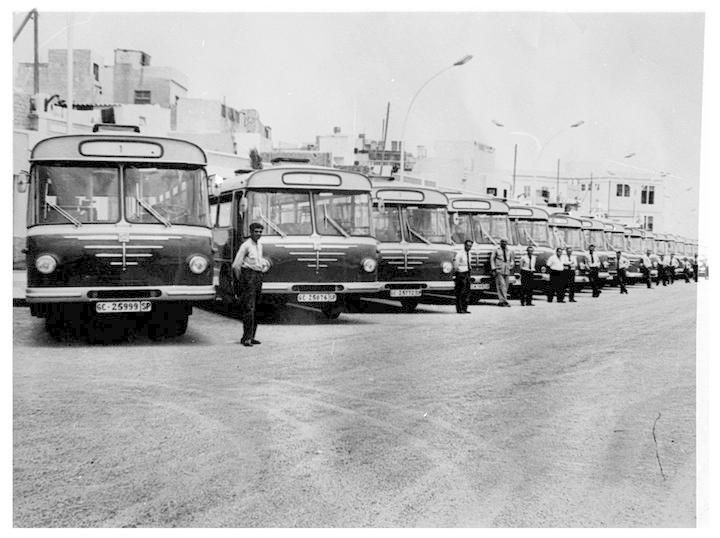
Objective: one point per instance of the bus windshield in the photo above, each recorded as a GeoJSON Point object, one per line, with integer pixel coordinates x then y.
{"type": "Point", "coordinates": [617, 241]}
{"type": "Point", "coordinates": [570, 237]}
{"type": "Point", "coordinates": [597, 238]}
{"type": "Point", "coordinates": [387, 224]}
{"type": "Point", "coordinates": [489, 229]}
{"type": "Point", "coordinates": [533, 233]}
{"type": "Point", "coordinates": [166, 194]}
{"type": "Point", "coordinates": [426, 225]}
{"type": "Point", "coordinates": [635, 244]}
{"type": "Point", "coordinates": [281, 213]}
{"type": "Point", "coordinates": [344, 214]}
{"type": "Point", "coordinates": [76, 194]}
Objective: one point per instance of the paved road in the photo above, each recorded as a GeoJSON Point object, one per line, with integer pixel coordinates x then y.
{"type": "Point", "coordinates": [559, 415]}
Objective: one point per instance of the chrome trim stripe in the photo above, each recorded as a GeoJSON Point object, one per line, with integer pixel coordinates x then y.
{"type": "Point", "coordinates": [79, 294]}
{"type": "Point", "coordinates": [355, 287]}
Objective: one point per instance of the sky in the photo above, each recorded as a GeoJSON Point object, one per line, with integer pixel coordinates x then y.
{"type": "Point", "coordinates": [634, 79]}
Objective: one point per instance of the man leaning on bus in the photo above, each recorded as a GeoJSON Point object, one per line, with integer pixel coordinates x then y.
{"type": "Point", "coordinates": [249, 266]}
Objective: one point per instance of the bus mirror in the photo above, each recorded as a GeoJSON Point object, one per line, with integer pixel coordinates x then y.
{"type": "Point", "coordinates": [242, 207]}
{"type": "Point", "coordinates": [455, 219]}
{"type": "Point", "coordinates": [22, 180]}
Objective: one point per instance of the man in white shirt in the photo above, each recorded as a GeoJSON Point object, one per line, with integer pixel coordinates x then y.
{"type": "Point", "coordinates": [622, 266]}
{"type": "Point", "coordinates": [570, 268]}
{"type": "Point", "coordinates": [646, 267]}
{"type": "Point", "coordinates": [671, 266]}
{"type": "Point", "coordinates": [556, 264]}
{"type": "Point", "coordinates": [664, 269]}
{"type": "Point", "coordinates": [248, 267]}
{"type": "Point", "coordinates": [594, 265]}
{"type": "Point", "coordinates": [463, 266]}
{"type": "Point", "coordinates": [527, 271]}
{"type": "Point", "coordinates": [501, 263]}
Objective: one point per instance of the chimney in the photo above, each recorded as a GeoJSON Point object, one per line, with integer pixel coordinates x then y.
{"type": "Point", "coordinates": [336, 130]}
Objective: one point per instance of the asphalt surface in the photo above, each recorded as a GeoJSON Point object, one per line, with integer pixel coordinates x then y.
{"type": "Point", "coordinates": [578, 414]}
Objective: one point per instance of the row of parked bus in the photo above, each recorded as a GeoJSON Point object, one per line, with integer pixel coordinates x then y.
{"type": "Point", "coordinates": [125, 226]}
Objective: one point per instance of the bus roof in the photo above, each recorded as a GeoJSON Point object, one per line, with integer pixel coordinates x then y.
{"type": "Point", "coordinates": [564, 221]}
{"type": "Point", "coordinates": [589, 223]}
{"type": "Point", "coordinates": [476, 204]}
{"type": "Point", "coordinates": [120, 147]}
{"type": "Point", "coordinates": [528, 212]}
{"type": "Point", "coordinates": [635, 232]}
{"type": "Point", "coordinates": [299, 178]}
{"type": "Point", "coordinates": [411, 195]}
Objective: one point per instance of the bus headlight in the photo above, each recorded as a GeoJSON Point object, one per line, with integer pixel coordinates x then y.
{"type": "Point", "coordinates": [543, 269]}
{"type": "Point", "coordinates": [369, 265]}
{"type": "Point", "coordinates": [46, 264]}
{"type": "Point", "coordinates": [198, 264]}
{"type": "Point", "coordinates": [447, 267]}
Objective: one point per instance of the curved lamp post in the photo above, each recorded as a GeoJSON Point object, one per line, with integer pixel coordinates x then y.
{"type": "Point", "coordinates": [461, 61]}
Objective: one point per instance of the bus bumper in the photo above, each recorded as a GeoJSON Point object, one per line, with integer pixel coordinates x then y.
{"type": "Point", "coordinates": [94, 294]}
{"type": "Point", "coordinates": [342, 288]}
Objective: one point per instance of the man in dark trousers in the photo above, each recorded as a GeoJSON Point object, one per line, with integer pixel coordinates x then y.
{"type": "Point", "coordinates": [594, 265]}
{"type": "Point", "coordinates": [556, 266]}
{"type": "Point", "coordinates": [527, 270]}
{"type": "Point", "coordinates": [570, 268]}
{"type": "Point", "coordinates": [646, 267]}
{"type": "Point", "coordinates": [248, 267]}
{"type": "Point", "coordinates": [502, 262]}
{"type": "Point", "coordinates": [463, 267]}
{"type": "Point", "coordinates": [695, 267]}
{"type": "Point", "coordinates": [622, 266]}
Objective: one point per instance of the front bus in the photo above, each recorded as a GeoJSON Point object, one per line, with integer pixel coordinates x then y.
{"type": "Point", "coordinates": [118, 233]}
{"type": "Point", "coordinates": [416, 257]}
{"type": "Point", "coordinates": [318, 235]}
{"type": "Point", "coordinates": [484, 221]}
{"type": "Point", "coordinates": [530, 225]}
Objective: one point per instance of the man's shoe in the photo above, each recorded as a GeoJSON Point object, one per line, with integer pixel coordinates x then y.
{"type": "Point", "coordinates": [530, 304]}
{"type": "Point", "coordinates": [255, 342]}
{"type": "Point", "coordinates": [246, 343]}
{"type": "Point", "coordinates": [561, 301]}
{"type": "Point", "coordinates": [465, 312]}
{"type": "Point", "coordinates": [573, 301]}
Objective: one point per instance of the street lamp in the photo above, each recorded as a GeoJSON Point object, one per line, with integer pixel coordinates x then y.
{"type": "Point", "coordinates": [462, 61]}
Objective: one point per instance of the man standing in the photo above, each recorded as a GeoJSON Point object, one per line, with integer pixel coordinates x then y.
{"type": "Point", "coordinates": [646, 267]}
{"type": "Point", "coordinates": [556, 265]}
{"type": "Point", "coordinates": [570, 267]}
{"type": "Point", "coordinates": [248, 267]}
{"type": "Point", "coordinates": [462, 278]}
{"type": "Point", "coordinates": [622, 266]}
{"type": "Point", "coordinates": [671, 266]}
{"type": "Point", "coordinates": [527, 271]}
{"type": "Point", "coordinates": [664, 269]}
{"type": "Point", "coordinates": [695, 267]}
{"type": "Point", "coordinates": [501, 263]}
{"type": "Point", "coordinates": [594, 271]}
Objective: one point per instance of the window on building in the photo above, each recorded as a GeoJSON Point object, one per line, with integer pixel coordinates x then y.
{"type": "Point", "coordinates": [96, 72]}
{"type": "Point", "coordinates": [647, 195]}
{"type": "Point", "coordinates": [142, 97]}
{"type": "Point", "coordinates": [504, 193]}
{"type": "Point", "coordinates": [619, 190]}
{"type": "Point", "coordinates": [626, 191]}
{"type": "Point", "coordinates": [582, 186]}
{"type": "Point", "coordinates": [623, 190]}
{"type": "Point", "coordinates": [597, 186]}
{"type": "Point", "coordinates": [648, 222]}
{"type": "Point", "coordinates": [223, 111]}
{"type": "Point", "coordinates": [492, 191]}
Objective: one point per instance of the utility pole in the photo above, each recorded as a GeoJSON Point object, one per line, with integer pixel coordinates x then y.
{"type": "Point", "coordinates": [557, 186]}
{"type": "Point", "coordinates": [36, 65]}
{"type": "Point", "coordinates": [70, 59]}
{"type": "Point", "coordinates": [514, 171]}
{"type": "Point", "coordinates": [591, 193]}
{"type": "Point", "coordinates": [609, 191]}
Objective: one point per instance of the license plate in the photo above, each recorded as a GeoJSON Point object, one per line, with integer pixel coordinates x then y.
{"type": "Point", "coordinates": [317, 298]}
{"type": "Point", "coordinates": [117, 307]}
{"type": "Point", "coordinates": [405, 293]}
{"type": "Point", "coordinates": [480, 286]}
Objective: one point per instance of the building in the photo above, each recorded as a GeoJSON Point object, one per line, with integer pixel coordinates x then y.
{"type": "Point", "coordinates": [462, 164]}
{"type": "Point", "coordinates": [135, 81]}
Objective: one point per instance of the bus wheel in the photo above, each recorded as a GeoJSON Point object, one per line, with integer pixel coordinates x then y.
{"type": "Point", "coordinates": [332, 311]}
{"type": "Point", "coordinates": [57, 328]}
{"type": "Point", "coordinates": [167, 327]}
{"type": "Point", "coordinates": [409, 305]}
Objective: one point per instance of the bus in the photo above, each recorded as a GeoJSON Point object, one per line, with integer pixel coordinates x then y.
{"type": "Point", "coordinates": [634, 240]}
{"type": "Point", "coordinates": [118, 231]}
{"type": "Point", "coordinates": [484, 221]}
{"type": "Point", "coordinates": [594, 234]}
{"type": "Point", "coordinates": [530, 228]}
{"type": "Point", "coordinates": [318, 235]}
{"type": "Point", "coordinates": [566, 231]}
{"type": "Point", "coordinates": [416, 257]}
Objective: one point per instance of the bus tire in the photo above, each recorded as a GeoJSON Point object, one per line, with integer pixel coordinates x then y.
{"type": "Point", "coordinates": [57, 328]}
{"type": "Point", "coordinates": [409, 305]}
{"type": "Point", "coordinates": [332, 311]}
